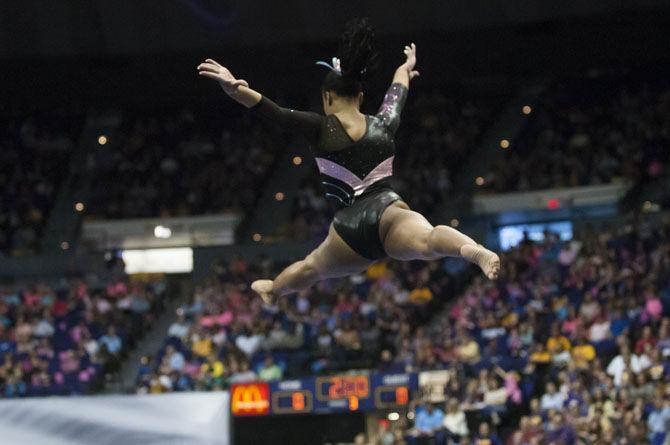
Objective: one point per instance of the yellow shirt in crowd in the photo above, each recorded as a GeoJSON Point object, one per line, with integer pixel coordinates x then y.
{"type": "Point", "coordinates": [583, 354]}
{"type": "Point", "coordinates": [377, 270]}
{"type": "Point", "coordinates": [202, 347]}
{"type": "Point", "coordinates": [215, 369]}
{"type": "Point", "coordinates": [554, 342]}
{"type": "Point", "coordinates": [420, 295]}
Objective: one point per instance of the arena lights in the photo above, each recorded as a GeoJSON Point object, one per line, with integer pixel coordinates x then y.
{"type": "Point", "coordinates": [257, 237]}
{"type": "Point", "coordinates": [479, 180]}
{"type": "Point", "coordinates": [65, 245]}
{"type": "Point", "coordinates": [454, 222]}
{"type": "Point", "coordinates": [279, 196]}
{"type": "Point", "coordinates": [504, 143]}
{"type": "Point", "coordinates": [162, 232]}
{"type": "Point", "coordinates": [526, 109]}
{"type": "Point", "coordinates": [393, 417]}
{"type": "Point", "coordinates": [297, 160]}
{"type": "Point", "coordinates": [102, 139]}
{"type": "Point", "coordinates": [79, 206]}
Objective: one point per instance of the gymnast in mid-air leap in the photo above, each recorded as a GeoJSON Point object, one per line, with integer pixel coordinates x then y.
{"type": "Point", "coordinates": [354, 153]}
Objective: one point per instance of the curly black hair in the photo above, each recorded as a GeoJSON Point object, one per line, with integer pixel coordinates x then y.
{"type": "Point", "coordinates": [357, 58]}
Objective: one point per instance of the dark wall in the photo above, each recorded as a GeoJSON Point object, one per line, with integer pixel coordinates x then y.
{"type": "Point", "coordinates": [75, 27]}
{"type": "Point", "coordinates": [513, 52]}
{"type": "Point", "coordinates": [297, 430]}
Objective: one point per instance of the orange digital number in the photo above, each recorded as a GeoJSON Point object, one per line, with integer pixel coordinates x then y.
{"type": "Point", "coordinates": [362, 388]}
{"type": "Point", "coordinates": [298, 401]}
{"type": "Point", "coordinates": [401, 395]}
{"type": "Point", "coordinates": [344, 387]}
{"type": "Point", "coordinates": [335, 390]}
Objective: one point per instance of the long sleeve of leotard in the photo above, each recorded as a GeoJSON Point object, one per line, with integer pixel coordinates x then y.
{"type": "Point", "coordinates": [304, 122]}
{"type": "Point", "coordinates": [394, 101]}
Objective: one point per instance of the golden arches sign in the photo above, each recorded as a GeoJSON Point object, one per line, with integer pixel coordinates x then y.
{"type": "Point", "coordinates": [250, 399]}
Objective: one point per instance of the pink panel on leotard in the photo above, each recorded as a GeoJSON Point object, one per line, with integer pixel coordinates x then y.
{"type": "Point", "coordinates": [381, 171]}
{"type": "Point", "coordinates": [335, 170]}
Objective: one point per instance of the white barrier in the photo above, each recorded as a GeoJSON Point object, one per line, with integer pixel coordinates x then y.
{"type": "Point", "coordinates": [145, 233]}
{"type": "Point", "coordinates": [589, 195]}
{"type": "Point", "coordinates": [166, 419]}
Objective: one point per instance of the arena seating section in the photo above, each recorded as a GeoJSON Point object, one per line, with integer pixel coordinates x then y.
{"type": "Point", "coordinates": [574, 341]}
{"type": "Point", "coordinates": [35, 150]}
{"type": "Point", "coordinates": [595, 129]}
{"type": "Point", "coordinates": [63, 338]}
{"type": "Point", "coordinates": [183, 162]}
{"type": "Point", "coordinates": [572, 344]}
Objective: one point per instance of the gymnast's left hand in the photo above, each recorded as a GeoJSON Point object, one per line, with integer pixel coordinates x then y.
{"type": "Point", "coordinates": [410, 62]}
{"type": "Point", "coordinates": [214, 70]}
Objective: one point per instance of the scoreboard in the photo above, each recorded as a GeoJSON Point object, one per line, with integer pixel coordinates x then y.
{"type": "Point", "coordinates": [331, 394]}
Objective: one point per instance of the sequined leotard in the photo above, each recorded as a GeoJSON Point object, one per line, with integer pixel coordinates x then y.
{"type": "Point", "coordinates": [356, 175]}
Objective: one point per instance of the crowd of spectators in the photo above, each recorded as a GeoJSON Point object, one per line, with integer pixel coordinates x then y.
{"type": "Point", "coordinates": [594, 129]}
{"type": "Point", "coordinates": [34, 155]}
{"type": "Point", "coordinates": [439, 129]}
{"type": "Point", "coordinates": [571, 346]}
{"type": "Point", "coordinates": [62, 339]}
{"type": "Point", "coordinates": [225, 335]}
{"type": "Point", "coordinates": [179, 163]}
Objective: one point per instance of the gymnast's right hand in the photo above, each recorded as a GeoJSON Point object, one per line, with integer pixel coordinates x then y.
{"type": "Point", "coordinates": [212, 69]}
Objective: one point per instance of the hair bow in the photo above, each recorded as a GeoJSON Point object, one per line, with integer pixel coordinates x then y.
{"type": "Point", "coordinates": [334, 67]}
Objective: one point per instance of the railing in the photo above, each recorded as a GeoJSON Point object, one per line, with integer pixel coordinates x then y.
{"type": "Point", "coordinates": [191, 231]}
{"type": "Point", "coordinates": [550, 198]}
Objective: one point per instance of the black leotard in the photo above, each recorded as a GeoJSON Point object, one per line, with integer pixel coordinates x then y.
{"type": "Point", "coordinates": [356, 175]}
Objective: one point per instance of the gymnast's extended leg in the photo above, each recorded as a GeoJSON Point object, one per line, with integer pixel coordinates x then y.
{"type": "Point", "coordinates": [407, 235]}
{"type": "Point", "coordinates": [332, 259]}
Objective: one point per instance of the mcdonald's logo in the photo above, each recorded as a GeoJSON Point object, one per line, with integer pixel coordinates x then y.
{"type": "Point", "coordinates": [250, 399]}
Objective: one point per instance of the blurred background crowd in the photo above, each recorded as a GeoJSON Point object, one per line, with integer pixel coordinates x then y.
{"type": "Point", "coordinates": [545, 135]}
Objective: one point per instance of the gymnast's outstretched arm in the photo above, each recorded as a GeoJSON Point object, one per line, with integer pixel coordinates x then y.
{"type": "Point", "coordinates": [395, 97]}
{"type": "Point", "coordinates": [406, 71]}
{"type": "Point", "coordinates": [303, 122]}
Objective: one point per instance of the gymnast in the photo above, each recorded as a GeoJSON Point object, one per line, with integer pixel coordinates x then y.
{"type": "Point", "coordinates": [354, 154]}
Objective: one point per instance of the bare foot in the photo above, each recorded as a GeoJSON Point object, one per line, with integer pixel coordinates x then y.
{"type": "Point", "coordinates": [264, 289]}
{"type": "Point", "coordinates": [488, 261]}
{"type": "Point", "coordinates": [491, 265]}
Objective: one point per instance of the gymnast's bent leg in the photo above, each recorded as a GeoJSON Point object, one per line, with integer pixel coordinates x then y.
{"type": "Point", "coordinates": [332, 259]}
{"type": "Point", "coordinates": [407, 235]}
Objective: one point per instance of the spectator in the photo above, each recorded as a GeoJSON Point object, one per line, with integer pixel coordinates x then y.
{"type": "Point", "coordinates": [485, 436]}
{"type": "Point", "coordinates": [245, 374]}
{"type": "Point", "coordinates": [552, 399]}
{"type": "Point", "coordinates": [249, 341]}
{"type": "Point", "coordinates": [468, 350]}
{"type": "Point", "coordinates": [111, 342]}
{"type": "Point", "coordinates": [175, 358]}
{"type": "Point", "coordinates": [270, 370]}
{"type": "Point", "coordinates": [428, 422]}
{"type": "Point", "coordinates": [180, 327]}
{"type": "Point", "coordinates": [212, 372]}
{"type": "Point", "coordinates": [647, 338]}
{"type": "Point", "coordinates": [455, 423]}
{"type": "Point", "coordinates": [558, 431]}
{"type": "Point", "coordinates": [659, 421]}
{"type": "Point", "coordinates": [624, 362]}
